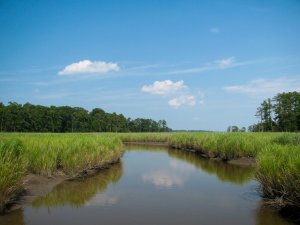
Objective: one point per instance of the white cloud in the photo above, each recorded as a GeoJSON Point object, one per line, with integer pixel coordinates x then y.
{"type": "Point", "coordinates": [214, 30]}
{"type": "Point", "coordinates": [216, 65]}
{"type": "Point", "coordinates": [267, 87]}
{"type": "Point", "coordinates": [89, 67]}
{"type": "Point", "coordinates": [223, 63]}
{"type": "Point", "coordinates": [182, 100]}
{"type": "Point", "coordinates": [163, 87]}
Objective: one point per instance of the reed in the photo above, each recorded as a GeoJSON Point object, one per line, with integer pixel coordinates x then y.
{"type": "Point", "coordinates": [12, 169]}
{"type": "Point", "coordinates": [279, 174]}
{"type": "Point", "coordinates": [47, 154]}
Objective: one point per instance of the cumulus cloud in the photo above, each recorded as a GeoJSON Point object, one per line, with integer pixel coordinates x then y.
{"type": "Point", "coordinates": [178, 93]}
{"type": "Point", "coordinates": [163, 87]}
{"type": "Point", "coordinates": [223, 63]}
{"type": "Point", "coordinates": [89, 67]}
{"type": "Point", "coordinates": [266, 87]}
{"type": "Point", "coordinates": [214, 30]}
{"type": "Point", "coordinates": [183, 100]}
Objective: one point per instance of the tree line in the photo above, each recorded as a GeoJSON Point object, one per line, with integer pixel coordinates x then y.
{"type": "Point", "coordinates": [282, 113]}
{"type": "Point", "coordinates": [16, 117]}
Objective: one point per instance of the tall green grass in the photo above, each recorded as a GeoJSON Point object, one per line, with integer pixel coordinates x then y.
{"type": "Point", "coordinates": [48, 154]}
{"type": "Point", "coordinates": [224, 145]}
{"type": "Point", "coordinates": [12, 169]}
{"type": "Point", "coordinates": [279, 173]}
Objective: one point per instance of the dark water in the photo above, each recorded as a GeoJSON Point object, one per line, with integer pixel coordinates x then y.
{"type": "Point", "coordinates": [154, 186]}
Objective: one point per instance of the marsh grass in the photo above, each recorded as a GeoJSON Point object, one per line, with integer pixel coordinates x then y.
{"type": "Point", "coordinates": [279, 174]}
{"type": "Point", "coordinates": [12, 169]}
{"type": "Point", "coordinates": [47, 154]}
{"type": "Point", "coordinates": [224, 145]}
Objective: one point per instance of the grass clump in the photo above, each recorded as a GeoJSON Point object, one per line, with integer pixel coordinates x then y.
{"type": "Point", "coordinates": [279, 174]}
{"type": "Point", "coordinates": [47, 154]}
{"type": "Point", "coordinates": [70, 153]}
{"type": "Point", "coordinates": [287, 139]}
{"type": "Point", "coordinates": [12, 169]}
{"type": "Point", "coordinates": [224, 145]}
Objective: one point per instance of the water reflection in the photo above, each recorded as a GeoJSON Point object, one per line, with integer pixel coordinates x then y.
{"type": "Point", "coordinates": [164, 179]}
{"type": "Point", "coordinates": [267, 216]}
{"type": "Point", "coordinates": [224, 171]}
{"type": "Point", "coordinates": [78, 192]}
{"type": "Point", "coordinates": [15, 217]}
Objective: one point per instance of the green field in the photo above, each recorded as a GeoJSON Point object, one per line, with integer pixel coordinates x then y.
{"type": "Point", "coordinates": [277, 156]}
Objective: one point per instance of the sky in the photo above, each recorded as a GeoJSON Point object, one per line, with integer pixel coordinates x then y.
{"type": "Point", "coordinates": [201, 65]}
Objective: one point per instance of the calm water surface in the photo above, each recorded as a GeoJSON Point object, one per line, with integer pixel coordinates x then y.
{"type": "Point", "coordinates": [157, 186]}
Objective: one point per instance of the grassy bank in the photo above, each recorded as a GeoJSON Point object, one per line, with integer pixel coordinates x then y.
{"type": "Point", "coordinates": [47, 154]}
{"type": "Point", "coordinates": [12, 170]}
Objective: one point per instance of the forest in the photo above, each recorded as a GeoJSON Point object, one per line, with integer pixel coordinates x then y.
{"type": "Point", "coordinates": [16, 117]}
{"type": "Point", "coordinates": [282, 113]}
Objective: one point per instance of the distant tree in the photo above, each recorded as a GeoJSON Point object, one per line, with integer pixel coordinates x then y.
{"type": "Point", "coordinates": [281, 115]}
{"type": "Point", "coordinates": [287, 111]}
{"type": "Point", "coordinates": [2, 116]}
{"type": "Point", "coordinates": [37, 118]}
{"type": "Point", "coordinates": [233, 128]}
{"type": "Point", "coordinates": [99, 121]}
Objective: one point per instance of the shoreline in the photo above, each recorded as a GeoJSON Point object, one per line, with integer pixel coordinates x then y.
{"type": "Point", "coordinates": [241, 161]}
{"type": "Point", "coordinates": [36, 185]}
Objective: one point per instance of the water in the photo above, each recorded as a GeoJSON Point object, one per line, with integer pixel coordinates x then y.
{"type": "Point", "coordinates": [154, 185]}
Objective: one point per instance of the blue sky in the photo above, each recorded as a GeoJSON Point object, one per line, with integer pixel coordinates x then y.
{"type": "Point", "coordinates": [197, 64]}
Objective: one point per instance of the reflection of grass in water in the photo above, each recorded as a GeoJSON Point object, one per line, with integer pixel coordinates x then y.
{"type": "Point", "coordinates": [265, 216]}
{"type": "Point", "coordinates": [225, 172]}
{"type": "Point", "coordinates": [15, 217]}
{"type": "Point", "coordinates": [78, 192]}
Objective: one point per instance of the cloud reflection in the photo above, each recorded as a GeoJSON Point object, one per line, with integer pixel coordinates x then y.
{"type": "Point", "coordinates": [164, 179]}
{"type": "Point", "coordinates": [103, 199]}
{"type": "Point", "coordinates": [181, 167]}
{"type": "Point", "coordinates": [175, 175]}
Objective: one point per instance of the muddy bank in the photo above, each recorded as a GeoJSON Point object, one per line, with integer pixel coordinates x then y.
{"type": "Point", "coordinates": [242, 161]}
{"type": "Point", "coordinates": [36, 185]}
